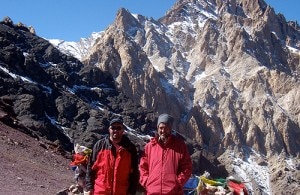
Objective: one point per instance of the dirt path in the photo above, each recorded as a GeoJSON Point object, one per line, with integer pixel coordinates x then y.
{"type": "Point", "coordinates": [30, 166]}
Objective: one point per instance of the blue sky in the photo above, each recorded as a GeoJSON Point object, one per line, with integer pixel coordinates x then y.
{"type": "Point", "coordinates": [71, 20]}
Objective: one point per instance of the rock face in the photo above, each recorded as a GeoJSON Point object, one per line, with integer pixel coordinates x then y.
{"type": "Point", "coordinates": [234, 63]}
{"type": "Point", "coordinates": [228, 71]}
{"type": "Point", "coordinates": [53, 95]}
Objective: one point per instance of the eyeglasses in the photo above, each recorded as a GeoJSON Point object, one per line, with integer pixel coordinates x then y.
{"type": "Point", "coordinates": [118, 128]}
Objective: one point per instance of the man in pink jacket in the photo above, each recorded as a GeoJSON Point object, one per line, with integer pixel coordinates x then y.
{"type": "Point", "coordinates": [166, 164]}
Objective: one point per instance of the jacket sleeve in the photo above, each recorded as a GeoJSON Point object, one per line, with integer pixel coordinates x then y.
{"type": "Point", "coordinates": [134, 175]}
{"type": "Point", "coordinates": [144, 167]}
{"type": "Point", "coordinates": [185, 166]}
{"type": "Point", "coordinates": [90, 175]}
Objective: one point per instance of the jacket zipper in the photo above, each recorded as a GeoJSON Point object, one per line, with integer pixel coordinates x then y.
{"type": "Point", "coordinates": [113, 172]}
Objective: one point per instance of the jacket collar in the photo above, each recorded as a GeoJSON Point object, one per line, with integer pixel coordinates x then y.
{"type": "Point", "coordinates": [154, 140]}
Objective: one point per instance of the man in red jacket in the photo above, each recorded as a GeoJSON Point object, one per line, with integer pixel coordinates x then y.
{"type": "Point", "coordinates": [166, 164]}
{"type": "Point", "coordinates": [113, 165]}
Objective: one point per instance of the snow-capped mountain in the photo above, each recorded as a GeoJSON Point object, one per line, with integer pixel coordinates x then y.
{"type": "Point", "coordinates": [225, 61]}
{"type": "Point", "coordinates": [228, 71]}
{"type": "Point", "coordinates": [76, 49]}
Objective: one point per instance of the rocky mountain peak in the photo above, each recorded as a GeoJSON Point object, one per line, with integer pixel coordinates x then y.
{"type": "Point", "coordinates": [125, 20]}
{"type": "Point", "coordinates": [228, 71]}
{"type": "Point", "coordinates": [218, 67]}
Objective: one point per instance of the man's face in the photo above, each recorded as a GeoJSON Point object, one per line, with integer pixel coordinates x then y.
{"type": "Point", "coordinates": [116, 132]}
{"type": "Point", "coordinates": [164, 131]}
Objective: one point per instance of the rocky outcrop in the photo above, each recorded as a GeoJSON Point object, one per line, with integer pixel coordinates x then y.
{"type": "Point", "coordinates": [133, 72]}
{"type": "Point", "coordinates": [49, 94]}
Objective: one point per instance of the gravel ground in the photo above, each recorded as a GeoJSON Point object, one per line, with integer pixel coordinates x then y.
{"type": "Point", "coordinates": [31, 166]}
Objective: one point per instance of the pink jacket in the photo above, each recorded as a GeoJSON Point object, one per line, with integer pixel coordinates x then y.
{"type": "Point", "coordinates": [165, 169]}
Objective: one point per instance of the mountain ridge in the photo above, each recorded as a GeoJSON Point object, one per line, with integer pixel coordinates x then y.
{"type": "Point", "coordinates": [227, 77]}
{"type": "Point", "coordinates": [236, 59]}
{"type": "Point", "coordinates": [239, 46]}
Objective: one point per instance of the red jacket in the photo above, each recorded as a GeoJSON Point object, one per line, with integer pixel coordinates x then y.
{"type": "Point", "coordinates": [112, 172]}
{"type": "Point", "coordinates": [165, 170]}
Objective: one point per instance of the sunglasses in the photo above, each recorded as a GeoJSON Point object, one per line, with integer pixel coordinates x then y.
{"type": "Point", "coordinates": [118, 128]}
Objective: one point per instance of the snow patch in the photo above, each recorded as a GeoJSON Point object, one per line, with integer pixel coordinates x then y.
{"type": "Point", "coordinates": [293, 50]}
{"type": "Point", "coordinates": [249, 169]}
{"type": "Point", "coordinates": [25, 79]}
